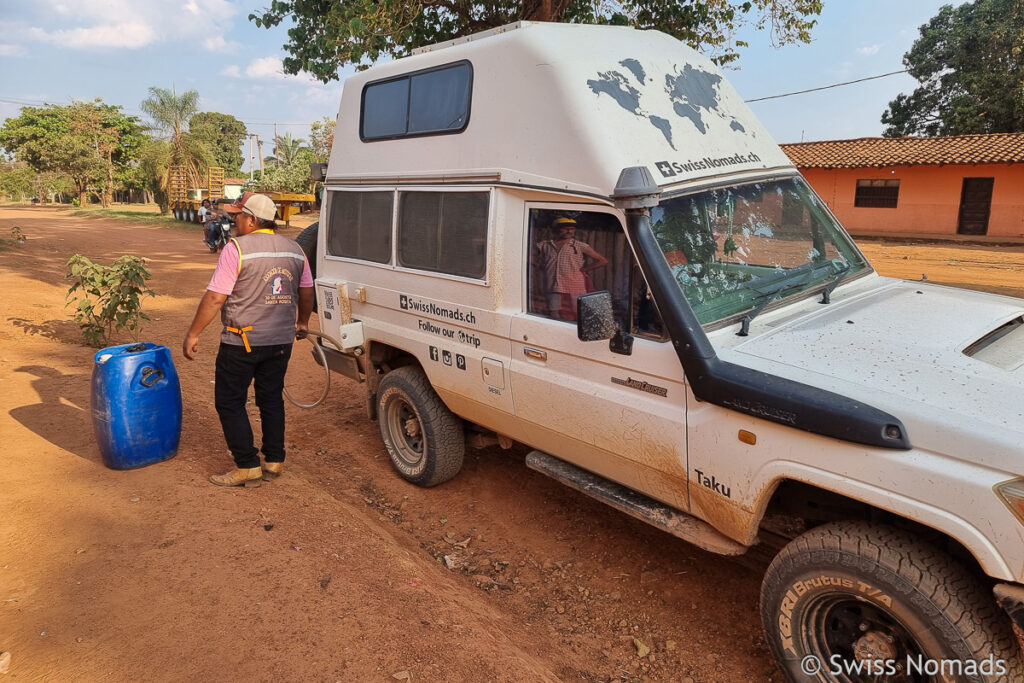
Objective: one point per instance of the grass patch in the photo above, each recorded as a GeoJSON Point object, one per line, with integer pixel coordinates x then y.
{"type": "Point", "coordinates": [146, 217]}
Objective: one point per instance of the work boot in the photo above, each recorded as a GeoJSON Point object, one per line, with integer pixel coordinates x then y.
{"type": "Point", "coordinates": [249, 478]}
{"type": "Point", "coordinates": [272, 470]}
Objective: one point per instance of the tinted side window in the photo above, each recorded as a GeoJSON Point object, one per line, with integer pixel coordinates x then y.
{"type": "Point", "coordinates": [425, 103]}
{"type": "Point", "coordinates": [444, 232]}
{"type": "Point", "coordinates": [385, 107]}
{"type": "Point", "coordinates": [360, 225]}
{"type": "Point", "coordinates": [439, 100]}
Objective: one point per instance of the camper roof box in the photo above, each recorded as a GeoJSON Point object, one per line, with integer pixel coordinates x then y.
{"type": "Point", "coordinates": [548, 106]}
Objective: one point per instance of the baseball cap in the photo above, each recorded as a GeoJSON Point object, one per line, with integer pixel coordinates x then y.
{"type": "Point", "coordinates": [559, 222]}
{"type": "Point", "coordinates": [258, 205]}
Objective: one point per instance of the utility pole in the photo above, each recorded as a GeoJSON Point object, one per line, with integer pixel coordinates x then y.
{"type": "Point", "coordinates": [250, 155]}
{"type": "Point", "coordinates": [277, 159]}
{"type": "Point", "coordinates": [259, 149]}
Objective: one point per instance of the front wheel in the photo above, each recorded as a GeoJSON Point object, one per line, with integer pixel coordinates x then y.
{"type": "Point", "coordinates": [854, 601]}
{"type": "Point", "coordinates": [424, 440]}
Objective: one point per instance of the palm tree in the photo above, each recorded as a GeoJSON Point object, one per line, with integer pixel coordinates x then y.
{"type": "Point", "coordinates": [171, 113]}
{"type": "Point", "coordinates": [286, 149]}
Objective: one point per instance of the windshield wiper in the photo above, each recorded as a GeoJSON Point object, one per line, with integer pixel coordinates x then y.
{"type": "Point", "coordinates": [770, 296]}
{"type": "Point", "coordinates": [826, 294]}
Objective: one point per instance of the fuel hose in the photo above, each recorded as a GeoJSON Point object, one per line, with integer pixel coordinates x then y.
{"type": "Point", "coordinates": [322, 359]}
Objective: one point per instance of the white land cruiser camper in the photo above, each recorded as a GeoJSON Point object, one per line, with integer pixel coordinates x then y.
{"type": "Point", "coordinates": [580, 239]}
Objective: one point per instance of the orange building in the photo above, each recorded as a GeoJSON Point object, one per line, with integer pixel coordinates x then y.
{"type": "Point", "coordinates": [942, 186]}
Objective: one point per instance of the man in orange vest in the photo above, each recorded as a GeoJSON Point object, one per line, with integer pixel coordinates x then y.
{"type": "Point", "coordinates": [263, 290]}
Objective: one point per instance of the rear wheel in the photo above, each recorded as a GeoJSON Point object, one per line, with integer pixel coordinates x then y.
{"type": "Point", "coordinates": [855, 601]}
{"type": "Point", "coordinates": [307, 240]}
{"type": "Point", "coordinates": [424, 440]}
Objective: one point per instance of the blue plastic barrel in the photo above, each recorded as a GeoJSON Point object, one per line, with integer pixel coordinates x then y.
{"type": "Point", "coordinates": [136, 405]}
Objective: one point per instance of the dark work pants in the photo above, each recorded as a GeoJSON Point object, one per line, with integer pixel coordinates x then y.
{"type": "Point", "coordinates": [236, 370]}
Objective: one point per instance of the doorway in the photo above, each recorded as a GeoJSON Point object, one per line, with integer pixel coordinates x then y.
{"type": "Point", "coordinates": [975, 206]}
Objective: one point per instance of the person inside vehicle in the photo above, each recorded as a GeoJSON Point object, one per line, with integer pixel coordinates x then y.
{"type": "Point", "coordinates": [563, 261]}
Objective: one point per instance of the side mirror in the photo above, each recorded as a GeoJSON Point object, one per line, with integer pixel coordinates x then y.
{"type": "Point", "coordinates": [594, 320]}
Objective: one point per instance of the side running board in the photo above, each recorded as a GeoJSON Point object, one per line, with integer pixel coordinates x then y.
{"type": "Point", "coordinates": [668, 519]}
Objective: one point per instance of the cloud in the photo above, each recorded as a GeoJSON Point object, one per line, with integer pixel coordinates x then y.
{"type": "Point", "coordinates": [130, 36]}
{"type": "Point", "coordinates": [86, 24]}
{"type": "Point", "coordinates": [265, 67]}
{"type": "Point", "coordinates": [231, 71]}
{"type": "Point", "coordinates": [271, 68]}
{"type": "Point", "coordinates": [868, 50]}
{"type": "Point", "coordinates": [322, 94]}
{"type": "Point", "coordinates": [218, 44]}
{"type": "Point", "coordinates": [7, 50]}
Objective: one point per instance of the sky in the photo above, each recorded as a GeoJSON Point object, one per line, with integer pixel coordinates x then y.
{"type": "Point", "coordinates": [56, 51]}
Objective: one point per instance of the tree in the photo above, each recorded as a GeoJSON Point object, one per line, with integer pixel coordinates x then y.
{"type": "Point", "coordinates": [16, 180]}
{"type": "Point", "coordinates": [329, 34]}
{"type": "Point", "coordinates": [321, 139]}
{"type": "Point", "coordinates": [286, 149]}
{"type": "Point", "coordinates": [171, 113]}
{"type": "Point", "coordinates": [154, 164]}
{"type": "Point", "coordinates": [223, 135]}
{"type": "Point", "coordinates": [85, 141]}
{"type": "Point", "coordinates": [294, 177]}
{"type": "Point", "coordinates": [969, 61]}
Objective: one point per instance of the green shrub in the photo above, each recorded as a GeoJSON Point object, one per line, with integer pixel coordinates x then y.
{"type": "Point", "coordinates": [110, 298]}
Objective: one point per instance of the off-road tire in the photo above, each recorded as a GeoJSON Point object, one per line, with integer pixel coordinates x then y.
{"type": "Point", "coordinates": [428, 451]}
{"type": "Point", "coordinates": [307, 240]}
{"type": "Point", "coordinates": [870, 573]}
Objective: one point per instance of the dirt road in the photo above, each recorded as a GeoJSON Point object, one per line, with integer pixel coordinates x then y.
{"type": "Point", "coordinates": [339, 570]}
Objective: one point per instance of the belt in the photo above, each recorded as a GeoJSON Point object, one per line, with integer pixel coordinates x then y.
{"type": "Point", "coordinates": [242, 331]}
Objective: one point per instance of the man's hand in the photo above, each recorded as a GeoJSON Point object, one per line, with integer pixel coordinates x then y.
{"type": "Point", "coordinates": [207, 310]}
{"type": "Point", "coordinates": [190, 346]}
{"type": "Point", "coordinates": [306, 295]}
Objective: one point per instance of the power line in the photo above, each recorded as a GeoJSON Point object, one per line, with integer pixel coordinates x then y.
{"type": "Point", "coordinates": [826, 87]}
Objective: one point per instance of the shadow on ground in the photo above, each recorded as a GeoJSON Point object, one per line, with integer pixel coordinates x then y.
{"type": "Point", "coordinates": [61, 416]}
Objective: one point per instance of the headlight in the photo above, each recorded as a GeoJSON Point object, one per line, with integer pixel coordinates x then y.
{"type": "Point", "coordinates": [1012, 494]}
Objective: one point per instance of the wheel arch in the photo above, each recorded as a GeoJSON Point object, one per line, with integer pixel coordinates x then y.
{"type": "Point", "coordinates": [791, 507]}
{"type": "Point", "coordinates": [382, 358]}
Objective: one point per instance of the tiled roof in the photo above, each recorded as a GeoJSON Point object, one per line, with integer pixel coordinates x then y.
{"type": "Point", "coordinates": [235, 181]}
{"type": "Point", "coordinates": [994, 148]}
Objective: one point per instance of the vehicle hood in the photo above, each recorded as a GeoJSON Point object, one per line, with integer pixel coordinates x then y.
{"type": "Point", "coordinates": [900, 347]}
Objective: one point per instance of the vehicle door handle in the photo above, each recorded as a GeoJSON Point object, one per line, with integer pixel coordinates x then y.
{"type": "Point", "coordinates": [535, 354]}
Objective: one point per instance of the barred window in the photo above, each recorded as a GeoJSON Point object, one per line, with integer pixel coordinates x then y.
{"type": "Point", "coordinates": [877, 193]}
{"type": "Point", "coordinates": [360, 225]}
{"type": "Point", "coordinates": [444, 232]}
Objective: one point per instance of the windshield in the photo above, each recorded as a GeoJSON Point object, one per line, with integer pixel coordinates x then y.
{"type": "Point", "coordinates": [737, 248]}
